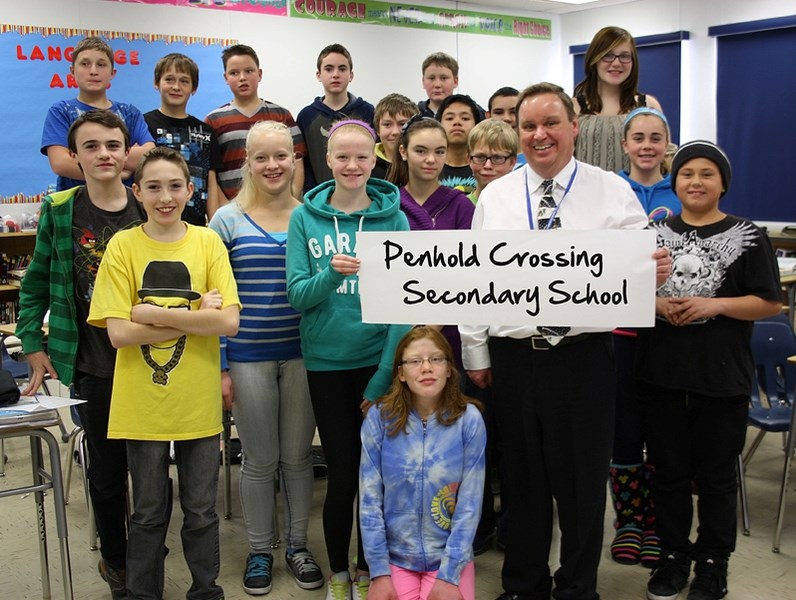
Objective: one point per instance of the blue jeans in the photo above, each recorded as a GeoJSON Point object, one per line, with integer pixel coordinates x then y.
{"type": "Point", "coordinates": [273, 416]}
{"type": "Point", "coordinates": [197, 470]}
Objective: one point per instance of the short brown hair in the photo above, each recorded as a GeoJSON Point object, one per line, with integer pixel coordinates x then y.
{"type": "Point", "coordinates": [106, 118]}
{"type": "Point", "coordinates": [544, 87]}
{"type": "Point", "coordinates": [239, 50]}
{"type": "Point", "coordinates": [92, 43]}
{"type": "Point", "coordinates": [335, 49]}
{"type": "Point", "coordinates": [181, 63]}
{"type": "Point", "coordinates": [161, 153]}
{"type": "Point", "coordinates": [442, 60]}
{"type": "Point", "coordinates": [494, 134]}
{"type": "Point", "coordinates": [394, 104]}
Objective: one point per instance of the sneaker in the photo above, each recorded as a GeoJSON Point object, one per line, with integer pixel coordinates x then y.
{"type": "Point", "coordinates": [360, 587]}
{"type": "Point", "coordinates": [710, 580]}
{"type": "Point", "coordinates": [304, 568]}
{"type": "Point", "coordinates": [338, 589]}
{"type": "Point", "coordinates": [669, 576]}
{"type": "Point", "coordinates": [257, 578]}
{"type": "Point", "coordinates": [115, 579]}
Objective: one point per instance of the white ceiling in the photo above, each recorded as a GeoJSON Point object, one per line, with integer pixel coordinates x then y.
{"type": "Point", "coordinates": [544, 6]}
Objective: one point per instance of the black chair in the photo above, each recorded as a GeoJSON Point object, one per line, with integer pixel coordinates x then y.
{"type": "Point", "coordinates": [771, 408]}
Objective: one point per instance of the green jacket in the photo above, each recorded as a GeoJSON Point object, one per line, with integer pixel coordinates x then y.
{"type": "Point", "coordinates": [49, 284]}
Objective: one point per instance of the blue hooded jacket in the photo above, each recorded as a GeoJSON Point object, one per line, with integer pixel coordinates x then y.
{"type": "Point", "coordinates": [420, 493]}
{"type": "Point", "coordinates": [659, 200]}
{"type": "Point", "coordinates": [315, 121]}
{"type": "Point", "coordinates": [333, 336]}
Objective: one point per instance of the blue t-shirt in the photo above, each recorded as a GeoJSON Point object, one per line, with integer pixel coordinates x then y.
{"type": "Point", "coordinates": [64, 112]}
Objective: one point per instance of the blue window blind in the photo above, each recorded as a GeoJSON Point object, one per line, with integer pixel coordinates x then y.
{"type": "Point", "coordinates": [659, 72]}
{"type": "Point", "coordinates": [756, 118]}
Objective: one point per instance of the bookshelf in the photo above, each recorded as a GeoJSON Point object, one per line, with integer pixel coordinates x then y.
{"type": "Point", "coordinates": [12, 247]}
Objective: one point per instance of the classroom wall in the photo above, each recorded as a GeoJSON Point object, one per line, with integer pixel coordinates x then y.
{"type": "Point", "coordinates": [386, 59]}
{"type": "Point", "coordinates": [650, 17]}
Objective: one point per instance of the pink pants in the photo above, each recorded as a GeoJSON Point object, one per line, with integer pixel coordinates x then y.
{"type": "Point", "coordinates": [411, 585]}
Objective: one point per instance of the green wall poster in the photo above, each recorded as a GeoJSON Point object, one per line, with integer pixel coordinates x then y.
{"type": "Point", "coordinates": [422, 17]}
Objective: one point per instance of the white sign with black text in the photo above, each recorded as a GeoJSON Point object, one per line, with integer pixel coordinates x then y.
{"type": "Point", "coordinates": [603, 278]}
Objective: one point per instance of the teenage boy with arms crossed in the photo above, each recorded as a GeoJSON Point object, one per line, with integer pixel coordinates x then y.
{"type": "Point", "coordinates": [177, 79]}
{"type": "Point", "coordinates": [165, 292]}
{"type": "Point", "coordinates": [335, 72]}
{"type": "Point", "coordinates": [231, 122]}
{"type": "Point", "coordinates": [92, 67]}
{"type": "Point", "coordinates": [74, 229]}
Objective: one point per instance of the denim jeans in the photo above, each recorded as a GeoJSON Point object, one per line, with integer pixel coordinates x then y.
{"type": "Point", "coordinates": [273, 416]}
{"type": "Point", "coordinates": [197, 471]}
{"type": "Point", "coordinates": [107, 471]}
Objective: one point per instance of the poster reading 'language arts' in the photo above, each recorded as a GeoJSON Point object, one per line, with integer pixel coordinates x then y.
{"type": "Point", "coordinates": [602, 279]}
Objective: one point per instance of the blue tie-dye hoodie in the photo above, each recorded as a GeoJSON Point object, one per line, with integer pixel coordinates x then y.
{"type": "Point", "coordinates": [420, 493]}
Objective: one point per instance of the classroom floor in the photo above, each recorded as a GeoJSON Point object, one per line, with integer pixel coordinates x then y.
{"type": "Point", "coordinates": [755, 572]}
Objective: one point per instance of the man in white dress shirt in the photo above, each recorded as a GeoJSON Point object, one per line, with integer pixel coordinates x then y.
{"type": "Point", "coordinates": [553, 394]}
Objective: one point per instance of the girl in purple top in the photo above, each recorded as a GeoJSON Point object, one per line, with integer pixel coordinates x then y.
{"type": "Point", "coordinates": [415, 169]}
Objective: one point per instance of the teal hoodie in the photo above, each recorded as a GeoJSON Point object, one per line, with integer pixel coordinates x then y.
{"type": "Point", "coordinates": [333, 336]}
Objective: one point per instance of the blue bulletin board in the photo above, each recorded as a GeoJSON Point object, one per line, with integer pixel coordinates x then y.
{"type": "Point", "coordinates": [34, 63]}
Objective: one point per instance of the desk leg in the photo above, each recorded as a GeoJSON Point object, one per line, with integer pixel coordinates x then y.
{"type": "Point", "coordinates": [226, 460]}
{"type": "Point", "coordinates": [38, 496]}
{"type": "Point", "coordinates": [60, 512]}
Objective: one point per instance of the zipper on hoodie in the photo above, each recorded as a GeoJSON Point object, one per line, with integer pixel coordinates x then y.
{"type": "Point", "coordinates": [423, 492]}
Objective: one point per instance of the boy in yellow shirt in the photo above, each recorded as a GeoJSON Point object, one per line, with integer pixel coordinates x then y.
{"type": "Point", "coordinates": [165, 292]}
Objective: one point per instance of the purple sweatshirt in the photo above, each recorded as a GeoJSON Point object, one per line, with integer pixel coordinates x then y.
{"type": "Point", "coordinates": [446, 208]}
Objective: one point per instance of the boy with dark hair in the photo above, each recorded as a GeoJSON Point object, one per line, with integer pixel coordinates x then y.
{"type": "Point", "coordinates": [695, 371]}
{"type": "Point", "coordinates": [243, 74]}
{"type": "Point", "coordinates": [165, 292]}
{"type": "Point", "coordinates": [458, 114]}
{"type": "Point", "coordinates": [74, 230]}
{"type": "Point", "coordinates": [335, 72]}
{"type": "Point", "coordinates": [92, 67]}
{"type": "Point", "coordinates": [391, 114]}
{"type": "Point", "coordinates": [503, 106]}
{"type": "Point", "coordinates": [177, 79]}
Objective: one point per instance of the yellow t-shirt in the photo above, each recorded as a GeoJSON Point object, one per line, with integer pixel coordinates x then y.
{"type": "Point", "coordinates": [171, 390]}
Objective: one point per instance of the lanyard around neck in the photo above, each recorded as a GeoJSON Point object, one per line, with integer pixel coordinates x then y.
{"type": "Point", "coordinates": [558, 204]}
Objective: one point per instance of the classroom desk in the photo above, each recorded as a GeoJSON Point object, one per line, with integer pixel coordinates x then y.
{"type": "Point", "coordinates": [789, 283]}
{"type": "Point", "coordinates": [783, 240]}
{"type": "Point", "coordinates": [7, 329]}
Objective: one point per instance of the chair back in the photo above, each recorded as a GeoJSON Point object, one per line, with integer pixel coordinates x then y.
{"type": "Point", "coordinates": [772, 343]}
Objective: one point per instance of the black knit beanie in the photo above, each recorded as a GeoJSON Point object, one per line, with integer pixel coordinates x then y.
{"type": "Point", "coordinates": [702, 149]}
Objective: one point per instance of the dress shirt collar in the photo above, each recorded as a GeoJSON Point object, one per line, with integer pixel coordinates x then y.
{"type": "Point", "coordinates": [561, 178]}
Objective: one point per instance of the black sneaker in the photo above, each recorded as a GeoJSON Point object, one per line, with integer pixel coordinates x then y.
{"type": "Point", "coordinates": [710, 580]}
{"type": "Point", "coordinates": [115, 579]}
{"type": "Point", "coordinates": [257, 578]}
{"type": "Point", "coordinates": [669, 576]}
{"type": "Point", "coordinates": [304, 568]}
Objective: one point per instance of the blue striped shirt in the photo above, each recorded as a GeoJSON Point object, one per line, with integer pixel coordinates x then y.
{"type": "Point", "coordinates": [269, 327]}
